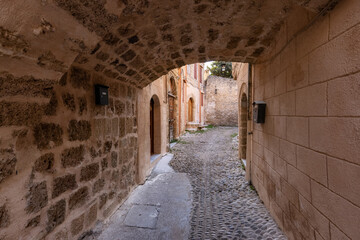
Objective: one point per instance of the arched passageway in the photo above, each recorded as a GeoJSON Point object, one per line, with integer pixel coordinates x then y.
{"type": "Point", "coordinates": [64, 48]}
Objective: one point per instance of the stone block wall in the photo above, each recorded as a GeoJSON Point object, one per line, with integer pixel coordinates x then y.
{"type": "Point", "coordinates": [64, 161]}
{"type": "Point", "coordinates": [305, 158]}
{"type": "Point", "coordinates": [221, 106]}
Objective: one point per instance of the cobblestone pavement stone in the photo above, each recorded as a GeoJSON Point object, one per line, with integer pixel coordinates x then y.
{"type": "Point", "coordinates": [224, 205]}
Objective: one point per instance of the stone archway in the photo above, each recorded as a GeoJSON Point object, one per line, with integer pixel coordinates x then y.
{"type": "Point", "coordinates": [155, 126]}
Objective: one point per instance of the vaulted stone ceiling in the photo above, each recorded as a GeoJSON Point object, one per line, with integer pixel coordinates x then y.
{"type": "Point", "coordinates": [137, 41]}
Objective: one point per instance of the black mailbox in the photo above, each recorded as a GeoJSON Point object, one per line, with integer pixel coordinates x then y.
{"type": "Point", "coordinates": [259, 111]}
{"type": "Point", "coordinates": [101, 95]}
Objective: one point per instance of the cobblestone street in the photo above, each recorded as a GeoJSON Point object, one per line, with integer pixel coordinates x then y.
{"type": "Point", "coordinates": [224, 205]}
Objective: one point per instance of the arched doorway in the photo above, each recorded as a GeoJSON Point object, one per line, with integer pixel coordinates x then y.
{"type": "Point", "coordinates": [172, 95]}
{"type": "Point", "coordinates": [155, 126]}
{"type": "Point", "coordinates": [191, 106]}
{"type": "Point", "coordinates": [243, 126]}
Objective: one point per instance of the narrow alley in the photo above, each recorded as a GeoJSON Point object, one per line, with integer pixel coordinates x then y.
{"type": "Point", "coordinates": [219, 204]}
{"type": "Point", "coordinates": [224, 205]}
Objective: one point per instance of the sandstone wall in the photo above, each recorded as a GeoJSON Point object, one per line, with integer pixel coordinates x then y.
{"type": "Point", "coordinates": [221, 101]}
{"type": "Point", "coordinates": [241, 75]}
{"type": "Point", "coordinates": [305, 158]}
{"type": "Point", "coordinates": [64, 162]}
{"type": "Point", "coordinates": [157, 89]}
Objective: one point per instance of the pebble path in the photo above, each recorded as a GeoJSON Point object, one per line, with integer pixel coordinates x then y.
{"type": "Point", "coordinates": [224, 205]}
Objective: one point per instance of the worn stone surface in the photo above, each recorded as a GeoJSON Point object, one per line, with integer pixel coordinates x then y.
{"type": "Point", "coordinates": [48, 135]}
{"type": "Point", "coordinates": [17, 113]}
{"type": "Point", "coordinates": [37, 197]}
{"type": "Point", "coordinates": [56, 215]}
{"type": "Point", "coordinates": [72, 157]}
{"type": "Point", "coordinates": [33, 222]}
{"type": "Point", "coordinates": [221, 108]}
{"type": "Point", "coordinates": [89, 172]}
{"type": "Point", "coordinates": [62, 184]}
{"type": "Point", "coordinates": [224, 205]}
{"type": "Point", "coordinates": [7, 163]}
{"type": "Point", "coordinates": [98, 185]}
{"type": "Point", "coordinates": [77, 225]}
{"type": "Point", "coordinates": [69, 101]}
{"type": "Point", "coordinates": [45, 163]}
{"type": "Point", "coordinates": [79, 130]}
{"type": "Point", "coordinates": [78, 198]}
{"type": "Point", "coordinates": [4, 217]}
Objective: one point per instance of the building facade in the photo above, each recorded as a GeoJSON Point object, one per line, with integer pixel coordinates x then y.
{"type": "Point", "coordinates": [220, 107]}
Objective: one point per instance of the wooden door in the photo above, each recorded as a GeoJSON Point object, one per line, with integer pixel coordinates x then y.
{"type": "Point", "coordinates": [152, 142]}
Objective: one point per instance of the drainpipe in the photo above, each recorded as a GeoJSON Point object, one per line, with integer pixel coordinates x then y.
{"type": "Point", "coordinates": [249, 125]}
{"type": "Point", "coordinates": [179, 95]}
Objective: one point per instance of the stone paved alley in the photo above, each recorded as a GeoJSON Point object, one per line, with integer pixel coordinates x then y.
{"type": "Point", "coordinates": [206, 197]}
{"type": "Point", "coordinates": [224, 205]}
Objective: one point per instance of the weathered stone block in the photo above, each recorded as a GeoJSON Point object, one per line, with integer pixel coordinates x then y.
{"type": "Point", "coordinates": [50, 108]}
{"type": "Point", "coordinates": [344, 179]}
{"type": "Point", "coordinates": [336, 233]}
{"type": "Point", "coordinates": [114, 159]}
{"type": "Point", "coordinates": [48, 135]}
{"type": "Point", "coordinates": [82, 105]}
{"type": "Point", "coordinates": [64, 183]}
{"type": "Point", "coordinates": [287, 103]}
{"type": "Point", "coordinates": [4, 217]}
{"type": "Point", "coordinates": [107, 146]}
{"type": "Point", "coordinates": [104, 164]}
{"type": "Point", "coordinates": [7, 163]}
{"type": "Point", "coordinates": [312, 101]}
{"type": "Point", "coordinates": [340, 211]}
{"type": "Point", "coordinates": [313, 164]}
{"type": "Point", "coordinates": [336, 136]}
{"type": "Point", "coordinates": [98, 185]}
{"type": "Point", "coordinates": [122, 127]}
{"type": "Point", "coordinates": [77, 225]}
{"type": "Point", "coordinates": [89, 172]}
{"type": "Point", "coordinates": [37, 197]}
{"type": "Point", "coordinates": [69, 101]}
{"type": "Point", "coordinates": [33, 222]}
{"type": "Point", "coordinates": [79, 78]}
{"type": "Point", "coordinates": [115, 127]}
{"type": "Point", "coordinates": [91, 215]}
{"type": "Point", "coordinates": [344, 97]}
{"type": "Point", "coordinates": [72, 157]}
{"type": "Point", "coordinates": [79, 130]}
{"type": "Point", "coordinates": [288, 152]}
{"type": "Point", "coordinates": [299, 221]}
{"type": "Point", "coordinates": [316, 219]}
{"type": "Point", "coordinates": [290, 192]}
{"type": "Point", "coordinates": [44, 163]}
{"type": "Point", "coordinates": [298, 130]}
{"type": "Point", "coordinates": [129, 125]}
{"type": "Point", "coordinates": [322, 63]}
{"type": "Point", "coordinates": [78, 198]}
{"type": "Point", "coordinates": [56, 215]}
{"type": "Point", "coordinates": [299, 181]}
{"type": "Point", "coordinates": [102, 200]}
